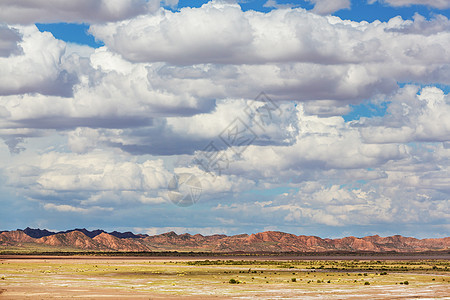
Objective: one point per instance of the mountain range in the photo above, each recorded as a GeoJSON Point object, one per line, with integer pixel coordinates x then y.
{"type": "Point", "coordinates": [269, 241]}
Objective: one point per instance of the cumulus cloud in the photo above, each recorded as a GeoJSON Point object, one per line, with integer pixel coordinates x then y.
{"type": "Point", "coordinates": [310, 155]}
{"type": "Point", "coordinates": [38, 68]}
{"type": "Point", "coordinates": [412, 116]}
{"type": "Point", "coordinates": [280, 36]}
{"type": "Point", "coordinates": [325, 7]}
{"type": "Point", "coordinates": [111, 93]}
{"type": "Point", "coordinates": [275, 4]}
{"type": "Point", "coordinates": [91, 11]}
{"type": "Point", "coordinates": [245, 37]}
{"type": "Point", "coordinates": [440, 4]}
{"type": "Point", "coordinates": [63, 181]}
{"type": "Point", "coordinates": [9, 41]}
{"type": "Point", "coordinates": [318, 203]}
{"type": "Point", "coordinates": [422, 26]}
{"type": "Point", "coordinates": [69, 208]}
{"type": "Point", "coordinates": [332, 71]}
{"type": "Point", "coordinates": [291, 54]}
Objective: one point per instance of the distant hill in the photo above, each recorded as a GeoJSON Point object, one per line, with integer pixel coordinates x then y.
{"type": "Point", "coordinates": [269, 241]}
{"type": "Point", "coordinates": [37, 233]}
{"type": "Point", "coordinates": [86, 232]}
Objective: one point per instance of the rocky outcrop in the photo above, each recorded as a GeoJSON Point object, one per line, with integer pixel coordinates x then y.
{"type": "Point", "coordinates": [114, 243]}
{"type": "Point", "coordinates": [14, 238]}
{"type": "Point", "coordinates": [72, 239]}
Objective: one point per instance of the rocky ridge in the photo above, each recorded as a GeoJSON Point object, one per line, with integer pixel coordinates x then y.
{"type": "Point", "coordinates": [269, 241]}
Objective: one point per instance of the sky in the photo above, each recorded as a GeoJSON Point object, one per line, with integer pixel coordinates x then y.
{"type": "Point", "coordinates": [317, 117]}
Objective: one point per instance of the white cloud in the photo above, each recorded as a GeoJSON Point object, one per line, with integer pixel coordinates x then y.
{"type": "Point", "coordinates": [320, 204]}
{"type": "Point", "coordinates": [343, 63]}
{"type": "Point", "coordinates": [441, 4]}
{"type": "Point", "coordinates": [89, 179]}
{"type": "Point", "coordinates": [226, 34]}
{"type": "Point", "coordinates": [37, 69]}
{"type": "Point", "coordinates": [291, 54]}
{"type": "Point", "coordinates": [322, 144]}
{"type": "Point", "coordinates": [412, 116]}
{"type": "Point", "coordinates": [69, 208]}
{"type": "Point", "coordinates": [9, 39]}
{"type": "Point", "coordinates": [275, 4]}
{"type": "Point", "coordinates": [53, 11]}
{"type": "Point", "coordinates": [325, 7]}
{"type": "Point", "coordinates": [165, 35]}
{"type": "Point", "coordinates": [420, 25]}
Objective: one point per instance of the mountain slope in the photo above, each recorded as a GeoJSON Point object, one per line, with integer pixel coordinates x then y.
{"type": "Point", "coordinates": [269, 241]}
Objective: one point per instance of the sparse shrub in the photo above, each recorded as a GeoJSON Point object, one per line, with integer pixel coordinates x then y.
{"type": "Point", "coordinates": [366, 283]}
{"type": "Point", "coordinates": [433, 279]}
{"type": "Point", "coordinates": [365, 274]}
{"type": "Point", "coordinates": [319, 281]}
{"type": "Point", "coordinates": [329, 281]}
{"type": "Point", "coordinates": [383, 273]}
{"type": "Point", "coordinates": [294, 279]}
{"type": "Point", "coordinates": [233, 281]}
{"type": "Point", "coordinates": [406, 282]}
{"type": "Point", "coordinates": [3, 278]}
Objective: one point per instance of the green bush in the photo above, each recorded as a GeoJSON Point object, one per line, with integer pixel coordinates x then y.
{"type": "Point", "coordinates": [406, 282]}
{"type": "Point", "coordinates": [294, 279]}
{"type": "Point", "coordinates": [366, 283]}
{"type": "Point", "coordinates": [233, 281]}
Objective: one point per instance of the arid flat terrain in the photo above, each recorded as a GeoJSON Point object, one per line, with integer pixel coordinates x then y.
{"type": "Point", "coordinates": [27, 277]}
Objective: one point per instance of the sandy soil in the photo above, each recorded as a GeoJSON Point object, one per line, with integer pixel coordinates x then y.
{"type": "Point", "coordinates": [171, 278]}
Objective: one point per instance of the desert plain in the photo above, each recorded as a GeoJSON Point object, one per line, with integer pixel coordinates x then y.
{"type": "Point", "coordinates": [227, 277]}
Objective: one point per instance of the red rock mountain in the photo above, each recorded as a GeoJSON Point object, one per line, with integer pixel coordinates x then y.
{"type": "Point", "coordinates": [269, 241]}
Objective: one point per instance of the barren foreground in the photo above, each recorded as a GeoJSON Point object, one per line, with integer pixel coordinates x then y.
{"type": "Point", "coordinates": [174, 278]}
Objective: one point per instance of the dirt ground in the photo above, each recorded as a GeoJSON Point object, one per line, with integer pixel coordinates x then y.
{"type": "Point", "coordinates": [175, 278]}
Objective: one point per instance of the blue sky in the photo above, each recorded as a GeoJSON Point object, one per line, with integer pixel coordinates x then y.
{"type": "Point", "coordinates": [352, 135]}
